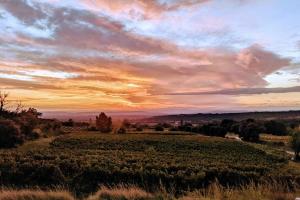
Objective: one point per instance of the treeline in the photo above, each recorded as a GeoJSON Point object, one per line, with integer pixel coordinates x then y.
{"type": "Point", "coordinates": [278, 115]}
{"type": "Point", "coordinates": [248, 130]}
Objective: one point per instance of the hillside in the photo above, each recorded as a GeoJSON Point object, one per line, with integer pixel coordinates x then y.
{"type": "Point", "coordinates": [219, 116]}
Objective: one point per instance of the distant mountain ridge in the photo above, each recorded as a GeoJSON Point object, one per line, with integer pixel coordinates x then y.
{"type": "Point", "coordinates": [220, 116]}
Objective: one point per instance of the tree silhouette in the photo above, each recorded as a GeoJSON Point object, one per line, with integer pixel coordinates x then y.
{"type": "Point", "coordinates": [104, 123]}
{"type": "Point", "coordinates": [3, 100]}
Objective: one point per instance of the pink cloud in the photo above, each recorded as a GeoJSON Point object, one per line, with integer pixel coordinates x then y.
{"type": "Point", "coordinates": [109, 60]}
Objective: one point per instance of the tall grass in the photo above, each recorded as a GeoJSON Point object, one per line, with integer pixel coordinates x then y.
{"type": "Point", "coordinates": [270, 191]}
{"type": "Point", "coordinates": [121, 193]}
{"type": "Point", "coordinates": [34, 195]}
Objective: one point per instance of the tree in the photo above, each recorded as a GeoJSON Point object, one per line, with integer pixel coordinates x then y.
{"type": "Point", "coordinates": [275, 128]}
{"type": "Point", "coordinates": [295, 143]}
{"type": "Point", "coordinates": [250, 130]}
{"type": "Point", "coordinates": [159, 127]}
{"type": "Point", "coordinates": [104, 123]}
{"type": "Point", "coordinates": [69, 123]}
{"type": "Point", "coordinates": [121, 130]}
{"type": "Point", "coordinates": [139, 129]}
{"type": "Point", "coordinates": [213, 130]}
{"type": "Point", "coordinates": [227, 124]}
{"type": "Point", "coordinates": [3, 100]}
{"type": "Point", "coordinates": [10, 135]}
{"type": "Point", "coordinates": [126, 124]}
{"type": "Point", "coordinates": [28, 121]}
{"type": "Point", "coordinates": [185, 127]}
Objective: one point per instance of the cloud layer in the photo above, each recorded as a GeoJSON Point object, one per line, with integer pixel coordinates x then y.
{"type": "Point", "coordinates": [92, 55]}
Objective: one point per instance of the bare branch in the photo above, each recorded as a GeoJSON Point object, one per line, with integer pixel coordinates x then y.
{"type": "Point", "coordinates": [20, 107]}
{"type": "Point", "coordinates": [3, 100]}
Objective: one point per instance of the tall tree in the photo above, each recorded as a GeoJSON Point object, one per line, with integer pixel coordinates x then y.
{"type": "Point", "coordinates": [104, 123]}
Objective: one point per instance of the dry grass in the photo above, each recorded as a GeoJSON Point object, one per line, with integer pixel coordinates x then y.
{"type": "Point", "coordinates": [275, 138]}
{"type": "Point", "coordinates": [249, 192]}
{"type": "Point", "coordinates": [34, 195]}
{"type": "Point", "coordinates": [121, 193]}
{"type": "Point", "coordinates": [271, 191]}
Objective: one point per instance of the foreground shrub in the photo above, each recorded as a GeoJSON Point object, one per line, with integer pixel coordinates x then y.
{"type": "Point", "coordinates": [34, 195]}
{"type": "Point", "coordinates": [10, 135]}
{"type": "Point", "coordinates": [121, 193]}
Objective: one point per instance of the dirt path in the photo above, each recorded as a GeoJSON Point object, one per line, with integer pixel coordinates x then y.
{"type": "Point", "coordinates": [37, 144]}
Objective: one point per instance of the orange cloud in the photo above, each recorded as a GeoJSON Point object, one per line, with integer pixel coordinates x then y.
{"type": "Point", "coordinates": [91, 61]}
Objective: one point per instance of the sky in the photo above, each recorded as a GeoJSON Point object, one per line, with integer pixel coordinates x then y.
{"type": "Point", "coordinates": [164, 56]}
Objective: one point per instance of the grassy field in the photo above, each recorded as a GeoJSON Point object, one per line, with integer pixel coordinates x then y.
{"type": "Point", "coordinates": [81, 162]}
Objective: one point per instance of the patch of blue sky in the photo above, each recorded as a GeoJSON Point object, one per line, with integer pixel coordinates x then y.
{"type": "Point", "coordinates": [271, 24]}
{"type": "Point", "coordinates": [16, 77]}
{"type": "Point", "coordinates": [268, 23]}
{"type": "Point", "coordinates": [283, 78]}
{"type": "Point", "coordinates": [9, 24]}
{"type": "Point", "coordinates": [50, 74]}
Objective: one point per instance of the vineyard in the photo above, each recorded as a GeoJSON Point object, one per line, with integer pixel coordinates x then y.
{"type": "Point", "coordinates": [83, 161]}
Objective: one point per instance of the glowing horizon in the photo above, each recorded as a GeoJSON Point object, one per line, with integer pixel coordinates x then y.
{"type": "Point", "coordinates": [151, 55]}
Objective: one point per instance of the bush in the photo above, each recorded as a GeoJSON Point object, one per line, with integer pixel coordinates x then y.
{"type": "Point", "coordinates": [139, 129]}
{"type": "Point", "coordinates": [186, 127]}
{"type": "Point", "coordinates": [295, 143]}
{"type": "Point", "coordinates": [173, 128]}
{"type": "Point", "coordinates": [250, 131]}
{"type": "Point", "coordinates": [92, 128]}
{"type": "Point", "coordinates": [50, 127]}
{"type": "Point", "coordinates": [235, 128]}
{"type": "Point", "coordinates": [213, 130]}
{"type": "Point", "coordinates": [10, 135]}
{"type": "Point", "coordinates": [159, 128]}
{"type": "Point", "coordinates": [275, 128]}
{"type": "Point", "coordinates": [195, 129]}
{"type": "Point", "coordinates": [227, 124]}
{"type": "Point", "coordinates": [69, 123]}
{"type": "Point", "coordinates": [121, 130]}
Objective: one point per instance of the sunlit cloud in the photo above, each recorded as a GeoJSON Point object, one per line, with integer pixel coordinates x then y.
{"type": "Point", "coordinates": [150, 55]}
{"type": "Point", "coordinates": [51, 74]}
{"type": "Point", "coordinates": [16, 77]}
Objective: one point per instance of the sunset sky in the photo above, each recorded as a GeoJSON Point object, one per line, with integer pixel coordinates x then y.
{"type": "Point", "coordinates": [164, 56]}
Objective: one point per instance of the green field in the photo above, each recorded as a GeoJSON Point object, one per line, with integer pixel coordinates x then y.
{"type": "Point", "coordinates": [83, 161]}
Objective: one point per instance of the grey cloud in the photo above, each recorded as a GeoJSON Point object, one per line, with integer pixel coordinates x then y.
{"type": "Point", "coordinates": [22, 9]}
{"type": "Point", "coordinates": [243, 91]}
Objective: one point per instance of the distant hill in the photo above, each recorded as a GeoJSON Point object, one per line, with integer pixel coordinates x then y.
{"type": "Point", "coordinates": [85, 116]}
{"type": "Point", "coordinates": [219, 116]}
